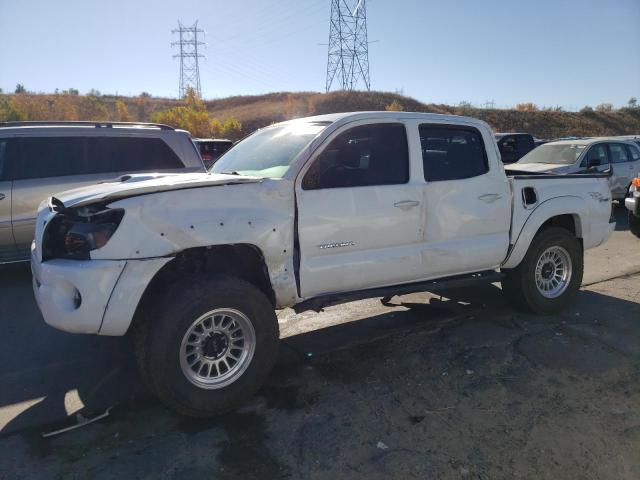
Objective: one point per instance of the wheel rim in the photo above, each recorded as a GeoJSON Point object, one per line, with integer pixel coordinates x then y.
{"type": "Point", "coordinates": [217, 348]}
{"type": "Point", "coordinates": [553, 272]}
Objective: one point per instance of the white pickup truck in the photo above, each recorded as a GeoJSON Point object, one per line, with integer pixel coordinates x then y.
{"type": "Point", "coordinates": [304, 214]}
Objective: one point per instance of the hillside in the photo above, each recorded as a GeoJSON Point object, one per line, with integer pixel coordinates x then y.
{"type": "Point", "coordinates": [257, 111]}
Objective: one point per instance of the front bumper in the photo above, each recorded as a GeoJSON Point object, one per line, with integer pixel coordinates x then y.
{"type": "Point", "coordinates": [91, 296]}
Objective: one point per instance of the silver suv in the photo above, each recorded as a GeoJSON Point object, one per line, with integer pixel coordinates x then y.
{"type": "Point", "coordinates": [39, 159]}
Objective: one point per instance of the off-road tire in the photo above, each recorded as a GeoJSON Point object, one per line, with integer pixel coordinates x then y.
{"type": "Point", "coordinates": [634, 224]}
{"type": "Point", "coordinates": [519, 284]}
{"type": "Point", "coordinates": [167, 319]}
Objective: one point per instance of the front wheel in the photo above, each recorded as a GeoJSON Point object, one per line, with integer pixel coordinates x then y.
{"type": "Point", "coordinates": [550, 274]}
{"type": "Point", "coordinates": [208, 345]}
{"type": "Point", "coordinates": [634, 224]}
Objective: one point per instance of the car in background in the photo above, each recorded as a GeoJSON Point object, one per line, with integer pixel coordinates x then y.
{"type": "Point", "coordinates": [632, 203]}
{"type": "Point", "coordinates": [589, 155]}
{"type": "Point", "coordinates": [514, 146]}
{"type": "Point", "coordinates": [39, 159]}
{"type": "Point", "coordinates": [211, 149]}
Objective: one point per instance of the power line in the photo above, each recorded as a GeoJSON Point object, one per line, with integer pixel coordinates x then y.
{"type": "Point", "coordinates": [348, 55]}
{"type": "Point", "coordinates": [189, 44]}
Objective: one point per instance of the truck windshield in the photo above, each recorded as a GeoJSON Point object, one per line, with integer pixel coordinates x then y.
{"type": "Point", "coordinates": [565, 154]}
{"type": "Point", "coordinates": [268, 152]}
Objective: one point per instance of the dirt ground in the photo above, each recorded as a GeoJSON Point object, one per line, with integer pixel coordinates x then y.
{"type": "Point", "coordinates": [472, 389]}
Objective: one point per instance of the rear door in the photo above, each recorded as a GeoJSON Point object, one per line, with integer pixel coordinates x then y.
{"type": "Point", "coordinates": [622, 169]}
{"type": "Point", "coordinates": [54, 164]}
{"type": "Point", "coordinates": [634, 152]}
{"type": "Point", "coordinates": [7, 244]}
{"type": "Point", "coordinates": [47, 165]}
{"type": "Point", "coordinates": [359, 211]}
{"type": "Point", "coordinates": [467, 202]}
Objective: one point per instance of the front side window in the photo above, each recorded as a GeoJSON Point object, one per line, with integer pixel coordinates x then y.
{"type": "Point", "coordinates": [596, 156]}
{"type": "Point", "coordinates": [362, 156]}
{"type": "Point", "coordinates": [618, 153]}
{"type": "Point", "coordinates": [132, 154]}
{"type": "Point", "coordinates": [452, 153]}
{"type": "Point", "coordinates": [42, 157]}
{"type": "Point", "coordinates": [268, 153]}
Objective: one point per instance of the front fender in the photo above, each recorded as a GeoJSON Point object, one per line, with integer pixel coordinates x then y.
{"type": "Point", "coordinates": [565, 205]}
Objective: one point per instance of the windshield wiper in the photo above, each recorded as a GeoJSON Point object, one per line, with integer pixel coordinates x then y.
{"type": "Point", "coordinates": [230, 173]}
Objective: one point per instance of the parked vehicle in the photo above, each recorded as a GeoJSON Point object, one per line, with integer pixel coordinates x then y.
{"type": "Point", "coordinates": [589, 155]}
{"type": "Point", "coordinates": [38, 159]}
{"type": "Point", "coordinates": [514, 146]}
{"type": "Point", "coordinates": [211, 149]}
{"type": "Point", "coordinates": [632, 203]}
{"type": "Point", "coordinates": [304, 214]}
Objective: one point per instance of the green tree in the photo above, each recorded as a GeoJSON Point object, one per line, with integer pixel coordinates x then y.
{"type": "Point", "coordinates": [9, 111]}
{"type": "Point", "coordinates": [20, 88]}
{"type": "Point", "coordinates": [633, 102]}
{"type": "Point", "coordinates": [191, 116]}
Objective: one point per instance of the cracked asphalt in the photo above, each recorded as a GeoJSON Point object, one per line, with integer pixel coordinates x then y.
{"type": "Point", "coordinates": [453, 386]}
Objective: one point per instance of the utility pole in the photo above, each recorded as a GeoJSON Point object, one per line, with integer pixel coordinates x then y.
{"type": "Point", "coordinates": [348, 56]}
{"type": "Point", "coordinates": [189, 46]}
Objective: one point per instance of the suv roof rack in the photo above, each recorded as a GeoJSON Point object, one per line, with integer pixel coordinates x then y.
{"type": "Point", "coordinates": [76, 123]}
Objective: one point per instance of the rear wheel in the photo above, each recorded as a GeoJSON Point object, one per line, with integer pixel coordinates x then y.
{"type": "Point", "coordinates": [634, 224]}
{"type": "Point", "coordinates": [208, 345]}
{"type": "Point", "coordinates": [550, 274]}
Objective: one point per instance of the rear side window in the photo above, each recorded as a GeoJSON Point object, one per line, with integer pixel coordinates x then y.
{"type": "Point", "coordinates": [362, 156]}
{"type": "Point", "coordinates": [635, 153]}
{"type": "Point", "coordinates": [618, 153]}
{"type": "Point", "coordinates": [40, 157]}
{"type": "Point", "coordinates": [118, 154]}
{"type": "Point", "coordinates": [452, 153]}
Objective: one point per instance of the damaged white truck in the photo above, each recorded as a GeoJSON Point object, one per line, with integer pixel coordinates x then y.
{"type": "Point", "coordinates": [304, 214]}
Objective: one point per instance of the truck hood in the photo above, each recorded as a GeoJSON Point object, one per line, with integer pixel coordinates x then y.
{"type": "Point", "coordinates": [537, 167]}
{"type": "Point", "coordinates": [141, 184]}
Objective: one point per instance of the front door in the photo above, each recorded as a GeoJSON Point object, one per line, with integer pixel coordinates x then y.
{"type": "Point", "coordinates": [359, 212]}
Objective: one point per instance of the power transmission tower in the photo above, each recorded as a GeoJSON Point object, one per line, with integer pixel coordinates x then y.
{"type": "Point", "coordinates": [348, 45]}
{"type": "Point", "coordinates": [189, 45]}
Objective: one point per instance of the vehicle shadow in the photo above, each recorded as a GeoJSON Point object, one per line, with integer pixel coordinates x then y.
{"type": "Point", "coordinates": [49, 374]}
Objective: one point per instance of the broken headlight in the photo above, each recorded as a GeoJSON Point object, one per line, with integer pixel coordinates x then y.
{"type": "Point", "coordinates": [73, 233]}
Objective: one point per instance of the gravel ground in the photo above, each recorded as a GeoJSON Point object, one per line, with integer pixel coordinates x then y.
{"type": "Point", "coordinates": [472, 389]}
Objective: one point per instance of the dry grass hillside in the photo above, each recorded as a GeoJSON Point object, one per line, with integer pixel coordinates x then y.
{"type": "Point", "coordinates": [257, 111]}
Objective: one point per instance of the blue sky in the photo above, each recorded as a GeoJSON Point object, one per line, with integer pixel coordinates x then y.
{"type": "Point", "coordinates": [551, 52]}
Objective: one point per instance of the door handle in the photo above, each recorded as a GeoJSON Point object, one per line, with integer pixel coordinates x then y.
{"type": "Point", "coordinates": [2, 196]}
{"type": "Point", "coordinates": [406, 204]}
{"type": "Point", "coordinates": [490, 197]}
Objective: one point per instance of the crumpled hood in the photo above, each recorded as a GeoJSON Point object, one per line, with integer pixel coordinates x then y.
{"type": "Point", "coordinates": [537, 167]}
{"type": "Point", "coordinates": [143, 183]}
